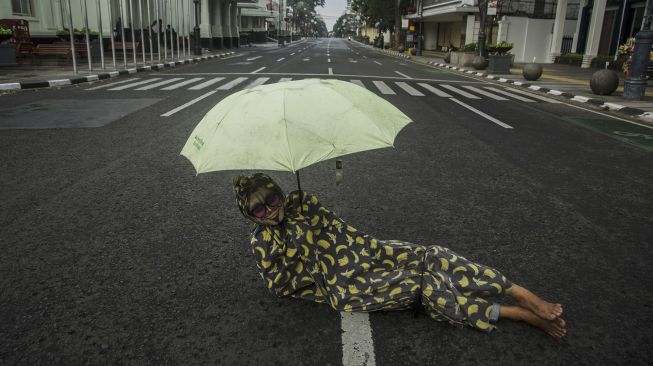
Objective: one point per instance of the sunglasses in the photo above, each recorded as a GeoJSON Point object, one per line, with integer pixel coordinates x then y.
{"type": "Point", "coordinates": [261, 210]}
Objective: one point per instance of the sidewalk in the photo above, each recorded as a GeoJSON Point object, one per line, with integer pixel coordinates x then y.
{"type": "Point", "coordinates": [53, 72]}
{"type": "Point", "coordinates": [566, 81]}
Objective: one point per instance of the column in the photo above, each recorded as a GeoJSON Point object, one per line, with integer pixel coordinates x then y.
{"type": "Point", "coordinates": [235, 24]}
{"type": "Point", "coordinates": [205, 20]}
{"type": "Point", "coordinates": [594, 34]}
{"type": "Point", "coordinates": [581, 5]}
{"type": "Point", "coordinates": [224, 19]}
{"type": "Point", "coordinates": [216, 23]}
{"type": "Point", "coordinates": [502, 33]}
{"type": "Point", "coordinates": [469, 29]}
{"type": "Point", "coordinates": [558, 28]}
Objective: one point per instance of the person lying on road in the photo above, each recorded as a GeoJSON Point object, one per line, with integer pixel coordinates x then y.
{"type": "Point", "coordinates": [313, 254]}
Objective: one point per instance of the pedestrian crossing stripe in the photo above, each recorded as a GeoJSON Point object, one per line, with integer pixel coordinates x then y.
{"type": "Point", "coordinates": [416, 89]}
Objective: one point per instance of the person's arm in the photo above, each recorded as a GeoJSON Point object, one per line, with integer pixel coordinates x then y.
{"type": "Point", "coordinates": [282, 268]}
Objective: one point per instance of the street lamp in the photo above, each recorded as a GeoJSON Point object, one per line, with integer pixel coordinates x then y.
{"type": "Point", "coordinates": [635, 84]}
{"type": "Point", "coordinates": [197, 50]}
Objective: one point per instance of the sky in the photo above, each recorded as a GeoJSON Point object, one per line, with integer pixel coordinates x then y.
{"type": "Point", "coordinates": [331, 11]}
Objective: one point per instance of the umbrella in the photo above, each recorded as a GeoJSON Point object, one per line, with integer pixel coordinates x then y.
{"type": "Point", "coordinates": [290, 125]}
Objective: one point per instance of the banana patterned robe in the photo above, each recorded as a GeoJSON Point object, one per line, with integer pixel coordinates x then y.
{"type": "Point", "coordinates": [318, 257]}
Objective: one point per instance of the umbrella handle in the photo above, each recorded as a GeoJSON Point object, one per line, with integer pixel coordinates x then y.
{"type": "Point", "coordinates": [301, 198]}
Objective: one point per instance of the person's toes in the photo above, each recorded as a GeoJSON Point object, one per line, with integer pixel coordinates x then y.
{"type": "Point", "coordinates": [561, 322]}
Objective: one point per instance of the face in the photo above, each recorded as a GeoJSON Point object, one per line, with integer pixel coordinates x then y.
{"type": "Point", "coordinates": [265, 207]}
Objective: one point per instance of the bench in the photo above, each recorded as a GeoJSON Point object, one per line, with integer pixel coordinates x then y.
{"type": "Point", "coordinates": [53, 49]}
{"type": "Point", "coordinates": [120, 46]}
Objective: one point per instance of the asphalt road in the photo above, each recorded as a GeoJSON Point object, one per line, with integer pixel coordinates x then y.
{"type": "Point", "coordinates": [114, 252]}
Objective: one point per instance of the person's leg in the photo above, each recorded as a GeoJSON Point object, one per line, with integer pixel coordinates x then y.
{"type": "Point", "coordinates": [532, 302]}
{"type": "Point", "coordinates": [555, 328]}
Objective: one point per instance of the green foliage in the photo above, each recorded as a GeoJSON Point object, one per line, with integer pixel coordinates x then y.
{"type": "Point", "coordinates": [499, 48]}
{"type": "Point", "coordinates": [76, 32]}
{"type": "Point", "coordinates": [4, 31]}
{"type": "Point", "coordinates": [469, 47]}
{"type": "Point", "coordinates": [572, 56]}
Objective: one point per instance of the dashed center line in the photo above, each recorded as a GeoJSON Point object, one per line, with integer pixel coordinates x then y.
{"type": "Point", "coordinates": [281, 59]}
{"type": "Point", "coordinates": [257, 70]}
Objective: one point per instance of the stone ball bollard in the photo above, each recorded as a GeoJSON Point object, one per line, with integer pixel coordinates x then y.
{"type": "Point", "coordinates": [532, 71]}
{"type": "Point", "coordinates": [400, 49]}
{"type": "Point", "coordinates": [479, 62]}
{"type": "Point", "coordinates": [447, 57]}
{"type": "Point", "coordinates": [604, 82]}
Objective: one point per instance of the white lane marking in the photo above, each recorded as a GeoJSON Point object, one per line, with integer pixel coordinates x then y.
{"type": "Point", "coordinates": [483, 92]}
{"type": "Point", "coordinates": [257, 82]}
{"type": "Point", "coordinates": [488, 117]}
{"type": "Point", "coordinates": [357, 342]}
{"type": "Point", "coordinates": [160, 83]}
{"type": "Point", "coordinates": [205, 84]}
{"type": "Point", "coordinates": [284, 79]}
{"type": "Point", "coordinates": [383, 87]}
{"type": "Point", "coordinates": [358, 82]}
{"type": "Point", "coordinates": [330, 71]}
{"type": "Point", "coordinates": [403, 75]}
{"type": "Point", "coordinates": [306, 59]}
{"type": "Point", "coordinates": [232, 83]}
{"type": "Point", "coordinates": [183, 106]}
{"type": "Point", "coordinates": [434, 90]}
{"type": "Point", "coordinates": [515, 96]}
{"type": "Point", "coordinates": [328, 60]}
{"type": "Point", "coordinates": [281, 59]}
{"type": "Point", "coordinates": [378, 63]}
{"type": "Point", "coordinates": [183, 83]}
{"type": "Point", "coordinates": [409, 89]}
{"type": "Point", "coordinates": [123, 87]}
{"type": "Point", "coordinates": [257, 70]}
{"type": "Point", "coordinates": [461, 92]}
{"type": "Point", "coordinates": [253, 58]}
{"type": "Point", "coordinates": [292, 54]}
{"type": "Point", "coordinates": [545, 99]}
{"type": "Point", "coordinates": [112, 84]}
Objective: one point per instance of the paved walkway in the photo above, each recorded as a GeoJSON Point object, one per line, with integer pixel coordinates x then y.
{"type": "Point", "coordinates": [567, 78]}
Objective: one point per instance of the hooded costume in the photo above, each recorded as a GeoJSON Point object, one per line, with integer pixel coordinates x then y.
{"type": "Point", "coordinates": [315, 255]}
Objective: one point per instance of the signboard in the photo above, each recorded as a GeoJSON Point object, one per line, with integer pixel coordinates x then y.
{"type": "Point", "coordinates": [411, 28]}
{"type": "Point", "coordinates": [404, 23]}
{"type": "Point", "coordinates": [409, 38]}
{"type": "Point", "coordinates": [492, 7]}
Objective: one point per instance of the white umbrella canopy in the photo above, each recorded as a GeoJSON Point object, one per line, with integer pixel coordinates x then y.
{"type": "Point", "coordinates": [291, 125]}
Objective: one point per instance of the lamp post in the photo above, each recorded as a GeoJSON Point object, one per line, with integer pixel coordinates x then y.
{"type": "Point", "coordinates": [197, 49]}
{"type": "Point", "coordinates": [635, 84]}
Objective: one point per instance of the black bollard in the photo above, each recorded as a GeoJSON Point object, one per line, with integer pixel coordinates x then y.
{"type": "Point", "coordinates": [635, 84]}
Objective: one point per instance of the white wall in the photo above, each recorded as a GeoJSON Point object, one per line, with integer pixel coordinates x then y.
{"type": "Point", "coordinates": [47, 15]}
{"type": "Point", "coordinates": [532, 37]}
{"type": "Point", "coordinates": [430, 35]}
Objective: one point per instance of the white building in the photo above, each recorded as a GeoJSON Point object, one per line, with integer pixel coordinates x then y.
{"type": "Point", "coordinates": [541, 29]}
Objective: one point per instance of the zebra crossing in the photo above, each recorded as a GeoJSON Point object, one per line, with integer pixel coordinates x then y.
{"type": "Point", "coordinates": [385, 87]}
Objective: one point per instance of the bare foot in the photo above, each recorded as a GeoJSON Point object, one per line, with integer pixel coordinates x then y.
{"type": "Point", "coordinates": [555, 328]}
{"type": "Point", "coordinates": [532, 302]}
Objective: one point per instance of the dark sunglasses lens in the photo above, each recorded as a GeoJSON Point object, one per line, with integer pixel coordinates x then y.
{"type": "Point", "coordinates": [273, 200]}
{"type": "Point", "coordinates": [259, 212]}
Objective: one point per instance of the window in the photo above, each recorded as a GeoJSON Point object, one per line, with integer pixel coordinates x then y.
{"type": "Point", "coordinates": [22, 7]}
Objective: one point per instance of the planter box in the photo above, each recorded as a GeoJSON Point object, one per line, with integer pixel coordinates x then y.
{"type": "Point", "coordinates": [463, 59]}
{"type": "Point", "coordinates": [7, 54]}
{"type": "Point", "coordinates": [499, 64]}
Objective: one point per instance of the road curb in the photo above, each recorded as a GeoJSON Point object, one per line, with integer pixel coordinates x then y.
{"type": "Point", "coordinates": [107, 75]}
{"type": "Point", "coordinates": [598, 103]}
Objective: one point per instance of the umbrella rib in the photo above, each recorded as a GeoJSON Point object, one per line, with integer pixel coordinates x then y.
{"type": "Point", "coordinates": [285, 121]}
